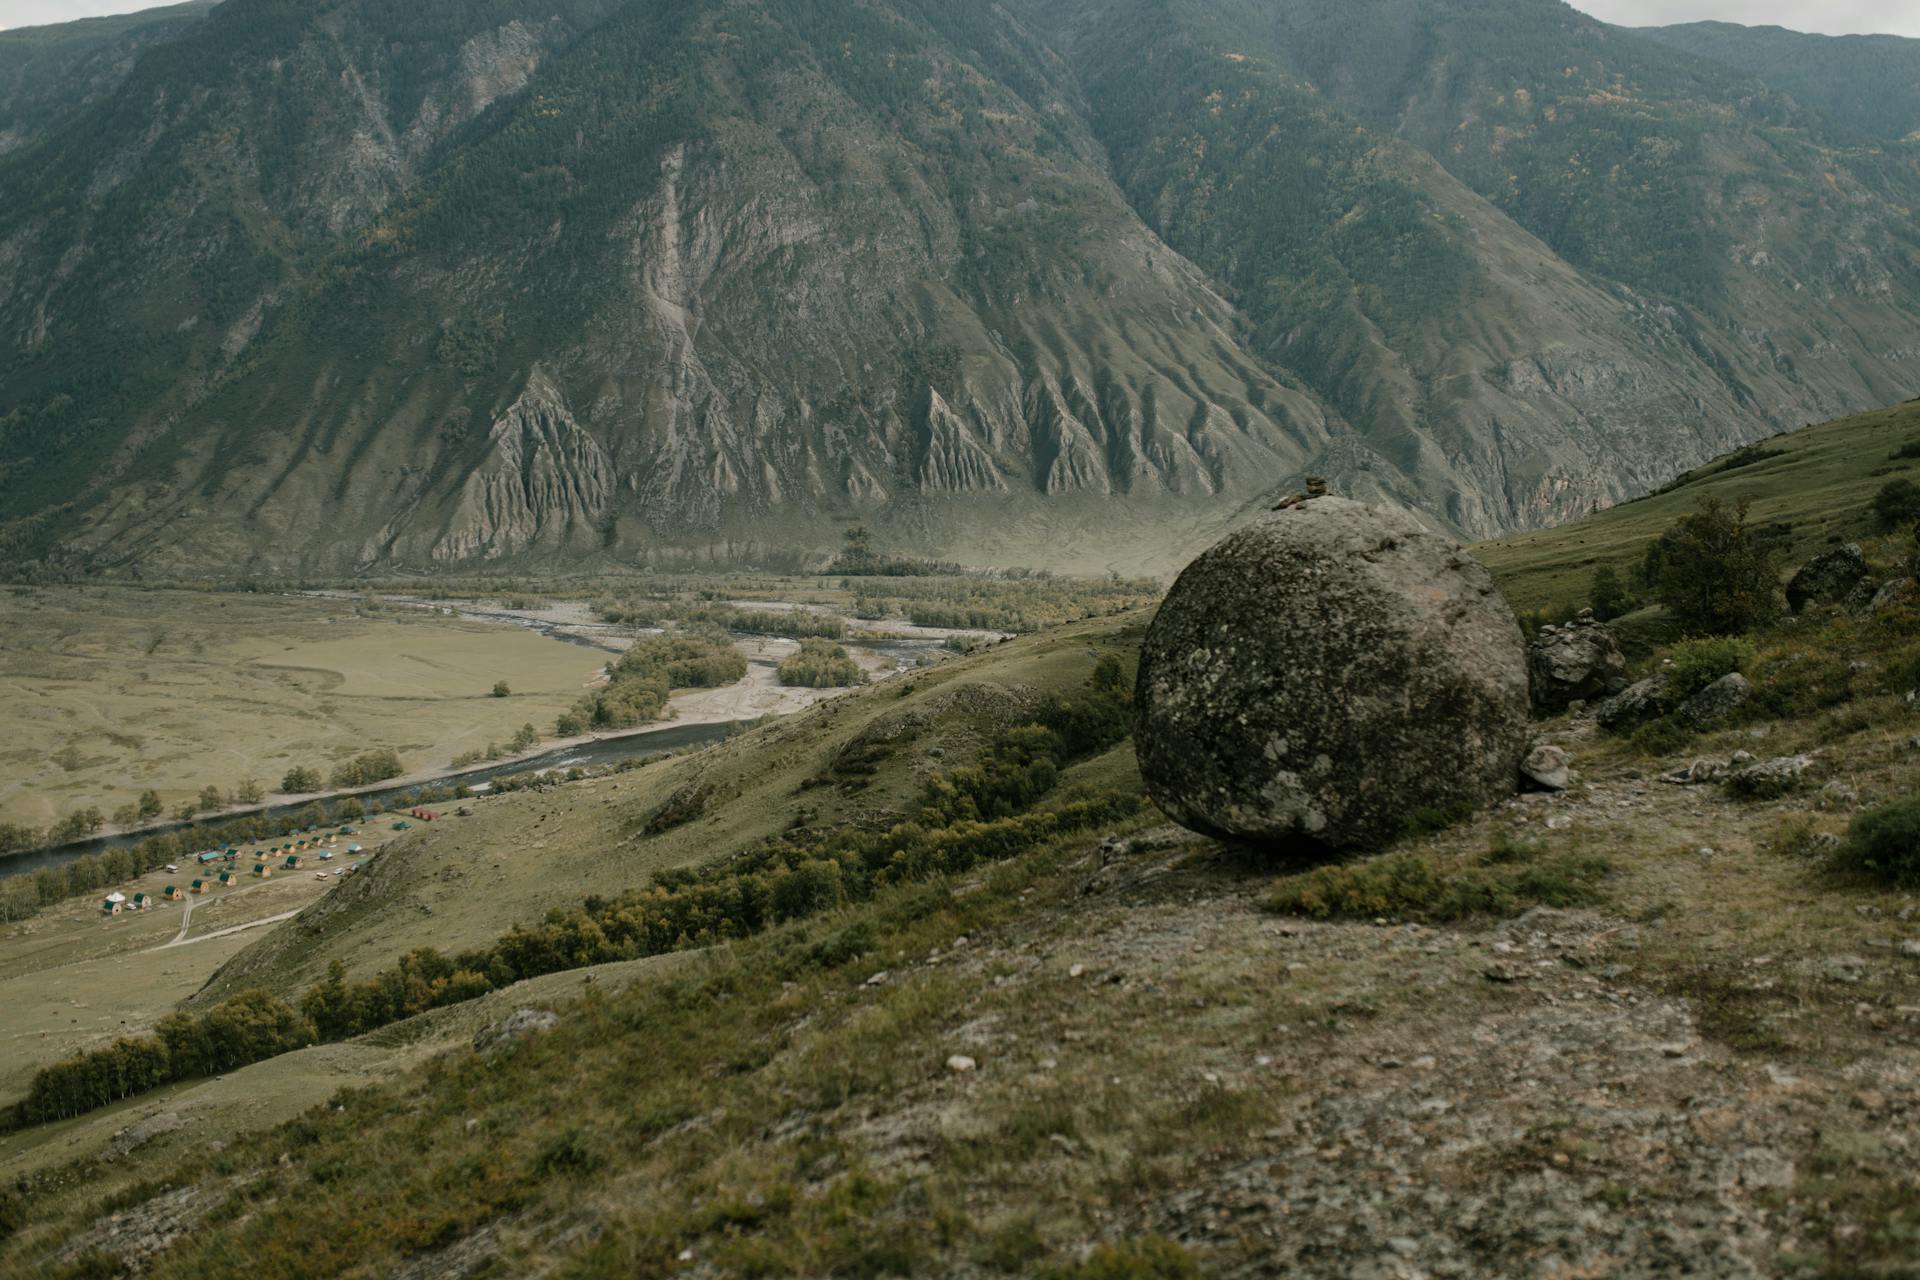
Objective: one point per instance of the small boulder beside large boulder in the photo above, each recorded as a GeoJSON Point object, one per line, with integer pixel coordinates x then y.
{"type": "Point", "coordinates": [1578, 662]}
{"type": "Point", "coordinates": [1328, 677]}
{"type": "Point", "coordinates": [1639, 702]}
{"type": "Point", "coordinates": [1715, 702]}
{"type": "Point", "coordinates": [1828, 578]}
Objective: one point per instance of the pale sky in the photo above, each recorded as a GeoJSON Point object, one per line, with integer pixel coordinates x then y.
{"type": "Point", "coordinates": [1830, 17]}
{"type": "Point", "coordinates": [1834, 17]}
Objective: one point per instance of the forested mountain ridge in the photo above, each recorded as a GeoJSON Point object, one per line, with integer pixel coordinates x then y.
{"type": "Point", "coordinates": [48, 71]}
{"type": "Point", "coordinates": [370, 282]}
{"type": "Point", "coordinates": [1867, 84]}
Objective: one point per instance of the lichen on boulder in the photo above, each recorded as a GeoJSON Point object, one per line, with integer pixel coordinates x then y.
{"type": "Point", "coordinates": [1327, 679]}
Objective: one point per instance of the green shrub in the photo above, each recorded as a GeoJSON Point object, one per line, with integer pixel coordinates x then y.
{"type": "Point", "coordinates": [1697, 663]}
{"type": "Point", "coordinates": [1510, 877]}
{"type": "Point", "coordinates": [1663, 737]}
{"type": "Point", "coordinates": [1148, 1258]}
{"type": "Point", "coordinates": [300, 780]}
{"type": "Point", "coordinates": [1897, 503]}
{"type": "Point", "coordinates": [1885, 844]}
{"type": "Point", "coordinates": [1713, 573]}
{"type": "Point", "coordinates": [821, 664]}
{"type": "Point", "coordinates": [646, 675]}
{"type": "Point", "coordinates": [1795, 685]}
{"type": "Point", "coordinates": [368, 768]}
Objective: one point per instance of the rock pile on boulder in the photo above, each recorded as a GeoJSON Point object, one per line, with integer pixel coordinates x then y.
{"type": "Point", "coordinates": [1325, 677]}
{"type": "Point", "coordinates": [1578, 662]}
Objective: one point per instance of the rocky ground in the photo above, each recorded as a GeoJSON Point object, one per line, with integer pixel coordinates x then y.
{"type": "Point", "coordinates": [1717, 1072]}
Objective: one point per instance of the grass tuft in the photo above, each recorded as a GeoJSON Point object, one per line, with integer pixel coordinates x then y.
{"type": "Point", "coordinates": [1509, 878]}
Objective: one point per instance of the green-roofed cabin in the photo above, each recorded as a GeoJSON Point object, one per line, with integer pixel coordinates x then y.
{"type": "Point", "coordinates": [198, 886]}
{"type": "Point", "coordinates": [262, 870]}
{"type": "Point", "coordinates": [293, 861]}
{"type": "Point", "coordinates": [109, 907]}
{"type": "Point", "coordinates": [174, 893]}
{"type": "Point", "coordinates": [139, 902]}
{"type": "Point", "coordinates": [229, 878]}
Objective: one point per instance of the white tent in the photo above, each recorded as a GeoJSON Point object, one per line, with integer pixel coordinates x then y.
{"type": "Point", "coordinates": [116, 897]}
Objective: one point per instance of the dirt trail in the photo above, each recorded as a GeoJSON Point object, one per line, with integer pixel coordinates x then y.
{"type": "Point", "coordinates": [183, 941]}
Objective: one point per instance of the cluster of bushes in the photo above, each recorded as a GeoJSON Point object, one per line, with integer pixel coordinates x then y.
{"type": "Point", "coordinates": [821, 664]}
{"type": "Point", "coordinates": [857, 556]}
{"type": "Point", "coordinates": [525, 738]}
{"type": "Point", "coordinates": [1001, 602]}
{"type": "Point", "coordinates": [77, 825]}
{"type": "Point", "coordinates": [794, 624]}
{"type": "Point", "coordinates": [1885, 844]}
{"type": "Point", "coordinates": [247, 1028]}
{"type": "Point", "coordinates": [1510, 877]}
{"type": "Point", "coordinates": [636, 613]}
{"type": "Point", "coordinates": [82, 823]}
{"type": "Point", "coordinates": [1897, 504]}
{"type": "Point", "coordinates": [647, 674]}
{"type": "Point", "coordinates": [368, 768]}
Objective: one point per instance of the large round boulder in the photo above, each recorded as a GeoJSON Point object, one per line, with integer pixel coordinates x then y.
{"type": "Point", "coordinates": [1330, 677]}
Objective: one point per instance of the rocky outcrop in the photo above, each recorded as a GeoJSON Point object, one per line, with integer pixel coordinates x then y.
{"type": "Point", "coordinates": [1639, 702]}
{"type": "Point", "coordinates": [1578, 662]}
{"type": "Point", "coordinates": [521, 1024]}
{"type": "Point", "coordinates": [1769, 779]}
{"type": "Point", "coordinates": [544, 483]}
{"type": "Point", "coordinates": [1893, 594]}
{"type": "Point", "coordinates": [1715, 702]}
{"type": "Point", "coordinates": [1321, 677]}
{"type": "Point", "coordinates": [1828, 578]}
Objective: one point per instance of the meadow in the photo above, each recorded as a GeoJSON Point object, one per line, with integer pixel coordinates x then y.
{"type": "Point", "coordinates": [112, 691]}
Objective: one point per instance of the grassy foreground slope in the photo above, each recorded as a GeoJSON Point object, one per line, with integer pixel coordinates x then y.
{"type": "Point", "coordinates": [1634, 1028]}
{"type": "Point", "coordinates": [1813, 486]}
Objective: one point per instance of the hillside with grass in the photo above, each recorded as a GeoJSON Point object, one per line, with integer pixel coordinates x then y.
{"type": "Point", "coordinates": [916, 982]}
{"type": "Point", "coordinates": [1809, 490]}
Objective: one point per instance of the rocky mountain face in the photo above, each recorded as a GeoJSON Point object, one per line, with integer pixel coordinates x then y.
{"type": "Point", "coordinates": [440, 283]}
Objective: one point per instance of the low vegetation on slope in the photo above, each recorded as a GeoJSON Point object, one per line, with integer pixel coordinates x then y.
{"type": "Point", "coordinates": [1805, 491]}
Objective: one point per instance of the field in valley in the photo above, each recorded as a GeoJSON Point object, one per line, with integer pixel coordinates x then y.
{"type": "Point", "coordinates": [111, 691]}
